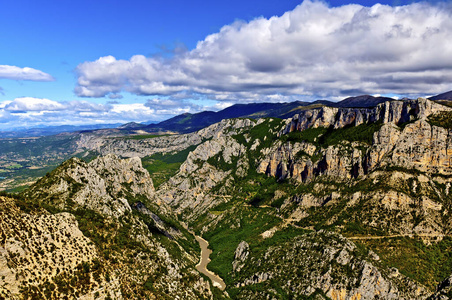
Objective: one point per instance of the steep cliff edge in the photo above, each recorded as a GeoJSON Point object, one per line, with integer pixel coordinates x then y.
{"type": "Point", "coordinates": [396, 112]}
{"type": "Point", "coordinates": [395, 134]}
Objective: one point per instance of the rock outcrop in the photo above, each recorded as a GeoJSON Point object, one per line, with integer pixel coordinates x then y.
{"type": "Point", "coordinates": [396, 112]}
{"type": "Point", "coordinates": [105, 185]}
{"type": "Point", "coordinates": [125, 147]}
{"type": "Point", "coordinates": [188, 191]}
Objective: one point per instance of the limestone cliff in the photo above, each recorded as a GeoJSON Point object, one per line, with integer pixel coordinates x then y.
{"type": "Point", "coordinates": [396, 112]}
{"type": "Point", "coordinates": [127, 147]}
{"type": "Point", "coordinates": [417, 145]}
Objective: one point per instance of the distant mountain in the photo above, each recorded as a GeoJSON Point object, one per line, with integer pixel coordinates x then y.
{"type": "Point", "coordinates": [443, 96]}
{"type": "Point", "coordinates": [131, 125]}
{"type": "Point", "coordinates": [192, 122]}
{"type": "Point", "coordinates": [187, 122]}
{"type": "Point", "coordinates": [362, 101]}
{"type": "Point", "coordinates": [52, 130]}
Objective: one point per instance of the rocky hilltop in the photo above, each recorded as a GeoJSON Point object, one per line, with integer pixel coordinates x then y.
{"type": "Point", "coordinates": [331, 203]}
{"type": "Point", "coordinates": [101, 185]}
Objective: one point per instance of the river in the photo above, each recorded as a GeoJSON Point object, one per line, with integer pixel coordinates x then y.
{"type": "Point", "coordinates": [202, 265]}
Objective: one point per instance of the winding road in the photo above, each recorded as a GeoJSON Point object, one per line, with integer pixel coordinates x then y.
{"type": "Point", "coordinates": [202, 265]}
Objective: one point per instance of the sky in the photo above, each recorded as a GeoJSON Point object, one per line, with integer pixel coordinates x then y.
{"type": "Point", "coordinates": [110, 61]}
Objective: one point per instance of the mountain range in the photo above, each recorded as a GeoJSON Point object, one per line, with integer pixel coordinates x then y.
{"type": "Point", "coordinates": [319, 201]}
{"type": "Point", "coordinates": [187, 122]}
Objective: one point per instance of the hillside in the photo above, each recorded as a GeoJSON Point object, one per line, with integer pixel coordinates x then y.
{"type": "Point", "coordinates": [96, 235]}
{"type": "Point", "coordinates": [331, 203]}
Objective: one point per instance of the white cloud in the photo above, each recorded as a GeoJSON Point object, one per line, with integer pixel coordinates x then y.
{"type": "Point", "coordinates": [314, 50]}
{"type": "Point", "coordinates": [33, 104]}
{"type": "Point", "coordinates": [28, 111]}
{"type": "Point", "coordinates": [17, 73]}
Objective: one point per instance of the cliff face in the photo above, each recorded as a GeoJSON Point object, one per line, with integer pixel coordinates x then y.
{"type": "Point", "coordinates": [417, 145]}
{"type": "Point", "coordinates": [396, 112]}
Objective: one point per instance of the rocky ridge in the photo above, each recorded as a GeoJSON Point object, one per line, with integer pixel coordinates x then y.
{"type": "Point", "coordinates": [101, 185]}
{"type": "Point", "coordinates": [396, 112]}
{"type": "Point", "coordinates": [126, 147]}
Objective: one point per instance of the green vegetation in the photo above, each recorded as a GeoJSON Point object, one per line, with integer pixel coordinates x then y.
{"type": "Point", "coordinates": [161, 166]}
{"type": "Point", "coordinates": [429, 264]}
{"type": "Point", "coordinates": [265, 133]}
{"type": "Point", "coordinates": [329, 136]}
{"type": "Point", "coordinates": [310, 135]}
{"type": "Point", "coordinates": [441, 119]}
{"type": "Point", "coordinates": [243, 224]}
{"type": "Point", "coordinates": [219, 162]}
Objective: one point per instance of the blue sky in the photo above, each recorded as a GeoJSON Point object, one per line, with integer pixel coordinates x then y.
{"type": "Point", "coordinates": [78, 62]}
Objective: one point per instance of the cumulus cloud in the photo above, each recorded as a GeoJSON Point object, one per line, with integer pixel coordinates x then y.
{"type": "Point", "coordinates": [32, 104]}
{"type": "Point", "coordinates": [29, 111]}
{"type": "Point", "coordinates": [314, 51]}
{"type": "Point", "coordinates": [17, 73]}
{"type": "Point", "coordinates": [171, 106]}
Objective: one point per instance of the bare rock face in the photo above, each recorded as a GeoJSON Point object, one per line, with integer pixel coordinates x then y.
{"type": "Point", "coordinates": [118, 172]}
{"type": "Point", "coordinates": [162, 144]}
{"type": "Point", "coordinates": [282, 161]}
{"type": "Point", "coordinates": [418, 145]}
{"type": "Point", "coordinates": [285, 161]}
{"type": "Point", "coordinates": [102, 185]}
{"type": "Point", "coordinates": [241, 254]}
{"type": "Point", "coordinates": [187, 192]}
{"type": "Point", "coordinates": [395, 112]}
